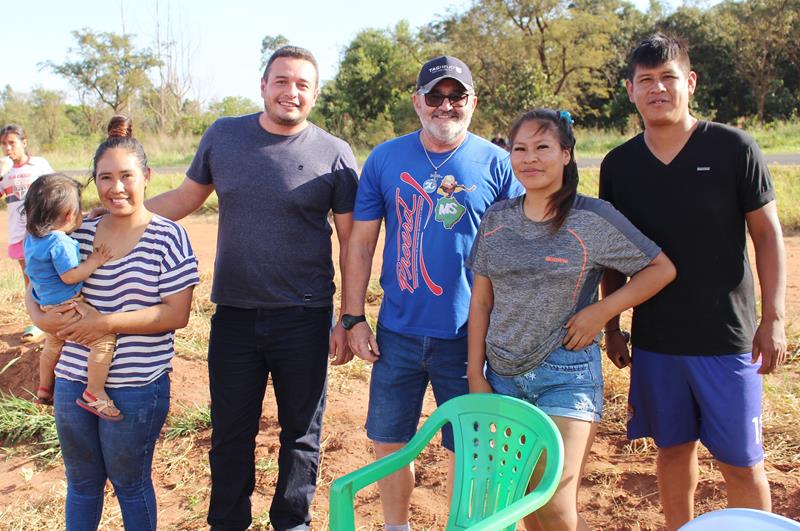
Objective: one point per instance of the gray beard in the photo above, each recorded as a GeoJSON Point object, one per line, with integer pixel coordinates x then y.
{"type": "Point", "coordinates": [446, 135]}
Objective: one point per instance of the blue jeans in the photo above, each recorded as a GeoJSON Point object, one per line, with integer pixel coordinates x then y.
{"type": "Point", "coordinates": [95, 450]}
{"type": "Point", "coordinates": [400, 377]}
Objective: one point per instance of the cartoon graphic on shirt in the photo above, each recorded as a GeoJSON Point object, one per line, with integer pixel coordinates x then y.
{"type": "Point", "coordinates": [448, 210]}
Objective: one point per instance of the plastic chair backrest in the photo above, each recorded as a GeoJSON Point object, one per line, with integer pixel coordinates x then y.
{"type": "Point", "coordinates": [498, 441]}
{"type": "Point", "coordinates": [740, 520]}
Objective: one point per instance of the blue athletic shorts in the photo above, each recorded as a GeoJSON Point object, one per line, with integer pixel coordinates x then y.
{"type": "Point", "coordinates": [566, 384]}
{"type": "Point", "coordinates": [400, 377]}
{"type": "Point", "coordinates": [716, 399]}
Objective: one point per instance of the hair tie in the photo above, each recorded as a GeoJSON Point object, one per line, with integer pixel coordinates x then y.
{"type": "Point", "coordinates": [564, 115]}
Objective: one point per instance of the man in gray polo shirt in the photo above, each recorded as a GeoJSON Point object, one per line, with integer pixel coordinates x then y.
{"type": "Point", "coordinates": [277, 177]}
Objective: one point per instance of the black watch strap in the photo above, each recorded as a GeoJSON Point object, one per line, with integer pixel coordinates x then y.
{"type": "Point", "coordinates": [349, 321]}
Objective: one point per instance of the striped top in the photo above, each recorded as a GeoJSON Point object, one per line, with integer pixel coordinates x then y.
{"type": "Point", "coordinates": [161, 263]}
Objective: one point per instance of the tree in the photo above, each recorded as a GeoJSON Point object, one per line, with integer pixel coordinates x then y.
{"type": "Point", "coordinates": [106, 66]}
{"type": "Point", "coordinates": [268, 46]}
{"type": "Point", "coordinates": [761, 31]}
{"type": "Point", "coordinates": [49, 113]}
{"type": "Point", "coordinates": [542, 52]}
{"type": "Point", "coordinates": [233, 106]}
{"type": "Point", "coordinates": [173, 54]}
{"type": "Point", "coordinates": [370, 98]}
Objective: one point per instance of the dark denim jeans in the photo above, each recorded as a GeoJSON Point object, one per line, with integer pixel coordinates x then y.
{"type": "Point", "coordinates": [95, 450]}
{"type": "Point", "coordinates": [247, 346]}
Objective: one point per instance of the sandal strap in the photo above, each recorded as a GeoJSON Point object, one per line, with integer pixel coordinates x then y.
{"type": "Point", "coordinates": [100, 404]}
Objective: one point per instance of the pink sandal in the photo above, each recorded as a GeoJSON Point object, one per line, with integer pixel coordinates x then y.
{"type": "Point", "coordinates": [98, 407]}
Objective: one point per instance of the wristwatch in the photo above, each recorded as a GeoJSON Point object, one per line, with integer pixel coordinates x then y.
{"type": "Point", "coordinates": [349, 321]}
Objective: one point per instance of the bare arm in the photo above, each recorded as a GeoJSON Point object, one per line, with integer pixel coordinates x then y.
{"type": "Point", "coordinates": [172, 313]}
{"type": "Point", "coordinates": [480, 310]}
{"type": "Point", "coordinates": [584, 325]}
{"type": "Point", "coordinates": [179, 202]}
{"type": "Point", "coordinates": [360, 251]}
{"type": "Point", "coordinates": [769, 342]}
{"type": "Point", "coordinates": [616, 344]}
{"type": "Point", "coordinates": [99, 256]}
{"type": "Point", "coordinates": [338, 349]}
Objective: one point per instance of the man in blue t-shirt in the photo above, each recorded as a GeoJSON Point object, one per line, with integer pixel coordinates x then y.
{"type": "Point", "coordinates": [431, 187]}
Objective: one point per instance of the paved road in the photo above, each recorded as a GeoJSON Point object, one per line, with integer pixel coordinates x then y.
{"type": "Point", "coordinates": [786, 159]}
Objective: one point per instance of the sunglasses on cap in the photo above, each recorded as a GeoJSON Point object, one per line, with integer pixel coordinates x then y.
{"type": "Point", "coordinates": [457, 99]}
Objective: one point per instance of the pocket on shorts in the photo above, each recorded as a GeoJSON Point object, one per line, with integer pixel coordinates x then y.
{"type": "Point", "coordinates": [567, 366]}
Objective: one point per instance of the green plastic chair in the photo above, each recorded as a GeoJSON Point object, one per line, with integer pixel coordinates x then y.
{"type": "Point", "coordinates": [498, 441]}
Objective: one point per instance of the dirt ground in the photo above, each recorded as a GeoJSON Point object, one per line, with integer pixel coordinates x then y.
{"type": "Point", "coordinates": [619, 490]}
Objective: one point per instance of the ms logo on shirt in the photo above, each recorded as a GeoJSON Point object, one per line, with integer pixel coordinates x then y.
{"type": "Point", "coordinates": [448, 210]}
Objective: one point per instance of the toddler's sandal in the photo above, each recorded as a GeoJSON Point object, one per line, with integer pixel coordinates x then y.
{"type": "Point", "coordinates": [98, 406]}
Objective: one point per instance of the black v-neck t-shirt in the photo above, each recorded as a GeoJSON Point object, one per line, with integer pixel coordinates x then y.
{"type": "Point", "coordinates": [694, 209]}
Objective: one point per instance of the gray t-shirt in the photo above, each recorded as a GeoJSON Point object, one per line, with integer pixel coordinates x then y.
{"type": "Point", "coordinates": [540, 279]}
{"type": "Point", "coordinates": [275, 193]}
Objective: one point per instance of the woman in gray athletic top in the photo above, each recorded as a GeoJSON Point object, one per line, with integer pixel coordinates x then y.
{"type": "Point", "coordinates": [534, 315]}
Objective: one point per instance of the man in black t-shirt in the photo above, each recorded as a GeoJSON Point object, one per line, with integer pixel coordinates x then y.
{"type": "Point", "coordinates": [695, 188]}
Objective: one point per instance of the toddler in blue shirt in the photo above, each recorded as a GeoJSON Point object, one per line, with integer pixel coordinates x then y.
{"type": "Point", "coordinates": [53, 264]}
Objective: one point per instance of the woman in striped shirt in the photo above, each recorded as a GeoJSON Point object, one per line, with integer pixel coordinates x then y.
{"type": "Point", "coordinates": [142, 295]}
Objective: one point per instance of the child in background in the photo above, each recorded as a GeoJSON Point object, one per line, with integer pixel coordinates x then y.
{"type": "Point", "coordinates": [53, 208]}
{"type": "Point", "coordinates": [14, 183]}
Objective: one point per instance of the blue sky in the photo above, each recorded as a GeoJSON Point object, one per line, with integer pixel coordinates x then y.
{"type": "Point", "coordinates": [224, 37]}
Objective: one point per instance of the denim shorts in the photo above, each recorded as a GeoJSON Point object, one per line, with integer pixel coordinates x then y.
{"type": "Point", "coordinates": [568, 383]}
{"type": "Point", "coordinates": [400, 378]}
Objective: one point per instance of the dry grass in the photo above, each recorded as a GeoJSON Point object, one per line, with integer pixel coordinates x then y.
{"type": "Point", "coordinates": [192, 342]}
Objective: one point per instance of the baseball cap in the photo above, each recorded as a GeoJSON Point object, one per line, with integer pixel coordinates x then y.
{"type": "Point", "coordinates": [444, 67]}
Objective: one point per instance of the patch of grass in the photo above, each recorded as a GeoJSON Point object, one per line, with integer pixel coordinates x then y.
{"type": "Point", "coordinates": [23, 422]}
{"type": "Point", "coordinates": [787, 190]}
{"type": "Point", "coordinates": [598, 142]}
{"type": "Point", "coordinates": [191, 342]}
{"type": "Point", "coordinates": [267, 465]}
{"type": "Point", "coordinates": [589, 181]}
{"type": "Point", "coordinates": [162, 150]}
{"type": "Point", "coordinates": [781, 404]}
{"type": "Point", "coordinates": [777, 137]}
{"type": "Point", "coordinates": [38, 514]}
{"type": "Point", "coordinates": [188, 420]}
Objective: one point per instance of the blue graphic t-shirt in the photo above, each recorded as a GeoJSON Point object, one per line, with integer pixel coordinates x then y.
{"type": "Point", "coordinates": [432, 218]}
{"type": "Point", "coordinates": [46, 259]}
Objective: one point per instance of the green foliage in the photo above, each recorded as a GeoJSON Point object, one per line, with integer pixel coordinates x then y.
{"type": "Point", "coordinates": [189, 420]}
{"type": "Point", "coordinates": [567, 54]}
{"type": "Point", "coordinates": [787, 190]}
{"type": "Point", "coordinates": [23, 422]}
{"type": "Point", "coordinates": [370, 99]}
{"type": "Point", "coordinates": [106, 66]}
{"type": "Point", "coordinates": [778, 136]}
{"type": "Point", "coordinates": [268, 46]}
